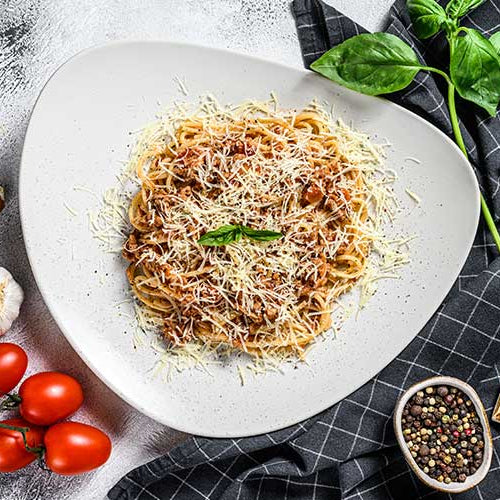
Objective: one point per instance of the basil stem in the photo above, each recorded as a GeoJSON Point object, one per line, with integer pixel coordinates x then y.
{"type": "Point", "coordinates": [460, 142]}
{"type": "Point", "coordinates": [381, 63]}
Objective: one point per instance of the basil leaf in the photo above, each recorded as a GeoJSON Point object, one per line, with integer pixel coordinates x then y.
{"type": "Point", "coordinates": [371, 63]}
{"type": "Point", "coordinates": [495, 41]}
{"type": "Point", "coordinates": [224, 235]}
{"type": "Point", "coordinates": [475, 70]}
{"type": "Point", "coordinates": [458, 8]}
{"type": "Point", "coordinates": [427, 17]}
{"type": "Point", "coordinates": [258, 235]}
{"type": "Point", "coordinates": [238, 234]}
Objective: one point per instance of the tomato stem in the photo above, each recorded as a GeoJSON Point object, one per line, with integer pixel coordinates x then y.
{"type": "Point", "coordinates": [38, 451]}
{"type": "Point", "coordinates": [10, 402]}
{"type": "Point", "coordinates": [41, 461]}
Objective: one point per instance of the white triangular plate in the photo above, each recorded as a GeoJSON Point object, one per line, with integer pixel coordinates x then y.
{"type": "Point", "coordinates": [79, 134]}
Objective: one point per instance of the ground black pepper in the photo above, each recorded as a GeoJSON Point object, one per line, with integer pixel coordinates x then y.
{"type": "Point", "coordinates": [443, 433]}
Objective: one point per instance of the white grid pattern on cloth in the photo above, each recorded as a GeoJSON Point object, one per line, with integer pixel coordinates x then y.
{"type": "Point", "coordinates": [349, 451]}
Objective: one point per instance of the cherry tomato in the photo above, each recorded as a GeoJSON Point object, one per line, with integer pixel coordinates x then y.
{"type": "Point", "coordinates": [49, 397]}
{"type": "Point", "coordinates": [13, 454]}
{"type": "Point", "coordinates": [13, 363]}
{"type": "Point", "coordinates": [74, 448]}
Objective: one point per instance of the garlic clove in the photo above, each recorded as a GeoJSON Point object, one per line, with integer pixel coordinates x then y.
{"type": "Point", "coordinates": [11, 298]}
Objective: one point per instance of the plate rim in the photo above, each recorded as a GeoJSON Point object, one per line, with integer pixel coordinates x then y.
{"type": "Point", "coordinates": [207, 431]}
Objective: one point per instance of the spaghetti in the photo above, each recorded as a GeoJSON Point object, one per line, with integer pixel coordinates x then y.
{"type": "Point", "coordinates": [297, 173]}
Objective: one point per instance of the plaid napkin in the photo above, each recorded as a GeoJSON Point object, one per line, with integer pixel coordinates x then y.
{"type": "Point", "coordinates": [349, 451]}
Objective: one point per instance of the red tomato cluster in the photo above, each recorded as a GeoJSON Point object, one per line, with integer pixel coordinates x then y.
{"type": "Point", "coordinates": [44, 400]}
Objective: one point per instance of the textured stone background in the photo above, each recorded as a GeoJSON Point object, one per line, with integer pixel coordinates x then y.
{"type": "Point", "coordinates": [37, 36]}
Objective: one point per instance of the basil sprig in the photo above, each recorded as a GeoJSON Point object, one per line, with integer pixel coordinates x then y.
{"type": "Point", "coordinates": [225, 235]}
{"type": "Point", "coordinates": [381, 63]}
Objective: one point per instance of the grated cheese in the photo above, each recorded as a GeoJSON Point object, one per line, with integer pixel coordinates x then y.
{"type": "Point", "coordinates": [70, 210]}
{"type": "Point", "coordinates": [181, 86]}
{"type": "Point", "coordinates": [241, 373]}
{"type": "Point", "coordinates": [413, 196]}
{"type": "Point", "coordinates": [109, 224]}
{"type": "Point", "coordinates": [413, 159]}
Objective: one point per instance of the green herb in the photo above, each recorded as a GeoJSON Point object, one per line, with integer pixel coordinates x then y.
{"type": "Point", "coordinates": [225, 235]}
{"type": "Point", "coordinates": [380, 63]}
{"type": "Point", "coordinates": [221, 236]}
{"type": "Point", "coordinates": [459, 8]}
{"type": "Point", "coordinates": [373, 64]}
{"type": "Point", "coordinates": [495, 41]}
{"type": "Point", "coordinates": [475, 70]}
{"type": "Point", "coordinates": [264, 235]}
{"type": "Point", "coordinates": [427, 16]}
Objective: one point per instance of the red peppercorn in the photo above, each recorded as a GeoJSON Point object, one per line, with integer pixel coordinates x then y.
{"type": "Point", "coordinates": [456, 433]}
{"type": "Point", "coordinates": [468, 432]}
{"type": "Point", "coordinates": [439, 430]}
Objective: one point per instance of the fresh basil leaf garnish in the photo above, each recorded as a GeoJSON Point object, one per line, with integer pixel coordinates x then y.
{"type": "Point", "coordinates": [225, 235]}
{"type": "Point", "coordinates": [263, 235]}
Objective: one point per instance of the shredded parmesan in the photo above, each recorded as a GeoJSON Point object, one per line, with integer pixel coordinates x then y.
{"type": "Point", "coordinates": [241, 373]}
{"type": "Point", "coordinates": [181, 86]}
{"type": "Point", "coordinates": [413, 196]}
{"type": "Point", "coordinates": [110, 225]}
{"type": "Point", "coordinates": [70, 210]}
{"type": "Point", "coordinates": [413, 159]}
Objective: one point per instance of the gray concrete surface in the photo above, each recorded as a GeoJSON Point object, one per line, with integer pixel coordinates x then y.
{"type": "Point", "coordinates": [36, 36]}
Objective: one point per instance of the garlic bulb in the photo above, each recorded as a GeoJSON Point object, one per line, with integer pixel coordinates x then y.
{"type": "Point", "coordinates": [11, 298]}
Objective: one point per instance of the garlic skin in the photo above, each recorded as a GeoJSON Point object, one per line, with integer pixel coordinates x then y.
{"type": "Point", "coordinates": [11, 298]}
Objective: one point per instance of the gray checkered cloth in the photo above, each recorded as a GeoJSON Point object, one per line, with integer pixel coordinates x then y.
{"type": "Point", "coordinates": [349, 451]}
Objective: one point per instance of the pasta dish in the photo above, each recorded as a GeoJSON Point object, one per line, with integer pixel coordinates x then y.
{"type": "Point", "coordinates": [295, 174]}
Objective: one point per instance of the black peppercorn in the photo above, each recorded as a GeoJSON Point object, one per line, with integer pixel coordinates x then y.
{"type": "Point", "coordinates": [442, 391]}
{"type": "Point", "coordinates": [424, 450]}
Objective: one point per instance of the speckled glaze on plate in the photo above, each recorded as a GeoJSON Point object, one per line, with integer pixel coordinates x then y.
{"type": "Point", "coordinates": [79, 135]}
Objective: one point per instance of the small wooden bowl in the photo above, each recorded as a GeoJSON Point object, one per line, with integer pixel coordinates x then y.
{"type": "Point", "coordinates": [479, 475]}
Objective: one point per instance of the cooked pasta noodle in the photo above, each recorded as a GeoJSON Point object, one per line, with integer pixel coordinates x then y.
{"type": "Point", "coordinates": [297, 173]}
